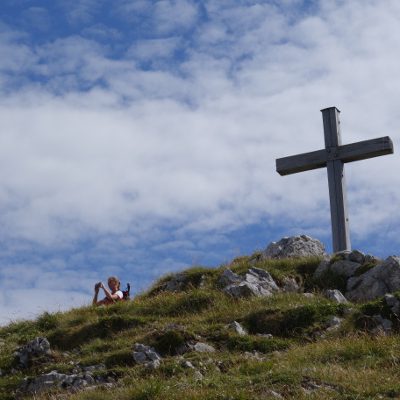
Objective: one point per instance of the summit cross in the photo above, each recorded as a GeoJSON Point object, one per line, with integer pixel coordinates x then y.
{"type": "Point", "coordinates": [333, 157]}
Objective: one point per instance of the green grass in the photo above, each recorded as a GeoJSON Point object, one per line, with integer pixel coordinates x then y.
{"type": "Point", "coordinates": [301, 361]}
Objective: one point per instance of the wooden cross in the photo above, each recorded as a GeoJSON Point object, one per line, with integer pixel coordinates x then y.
{"type": "Point", "coordinates": [333, 157]}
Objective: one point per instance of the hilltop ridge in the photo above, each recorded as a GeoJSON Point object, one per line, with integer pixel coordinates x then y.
{"type": "Point", "coordinates": [257, 328]}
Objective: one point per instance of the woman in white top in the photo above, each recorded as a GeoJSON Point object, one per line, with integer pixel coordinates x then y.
{"type": "Point", "coordinates": [113, 295]}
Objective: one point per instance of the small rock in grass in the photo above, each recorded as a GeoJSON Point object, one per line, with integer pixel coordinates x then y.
{"type": "Point", "coordinates": [198, 376]}
{"type": "Point", "coordinates": [336, 296]}
{"type": "Point", "coordinates": [187, 364]}
{"type": "Point", "coordinates": [334, 323]}
{"type": "Point", "coordinates": [203, 348]}
{"type": "Point", "coordinates": [236, 327]}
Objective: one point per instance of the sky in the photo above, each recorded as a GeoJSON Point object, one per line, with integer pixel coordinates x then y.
{"type": "Point", "coordinates": [139, 137]}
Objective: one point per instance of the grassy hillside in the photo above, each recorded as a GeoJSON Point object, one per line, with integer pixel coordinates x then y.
{"type": "Point", "coordinates": [289, 351]}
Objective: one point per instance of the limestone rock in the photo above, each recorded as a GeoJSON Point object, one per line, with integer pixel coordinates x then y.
{"type": "Point", "coordinates": [334, 323]}
{"type": "Point", "coordinates": [55, 379]}
{"type": "Point", "coordinates": [146, 355]}
{"type": "Point", "coordinates": [290, 285]}
{"type": "Point", "coordinates": [187, 364]}
{"type": "Point", "coordinates": [229, 278]}
{"type": "Point", "coordinates": [36, 348]}
{"type": "Point", "coordinates": [376, 282]}
{"type": "Point", "coordinates": [295, 246]}
{"type": "Point", "coordinates": [336, 296]}
{"type": "Point", "coordinates": [345, 268]}
{"type": "Point", "coordinates": [203, 348]}
{"type": "Point", "coordinates": [256, 282]}
{"type": "Point", "coordinates": [237, 328]}
{"type": "Point", "coordinates": [198, 376]}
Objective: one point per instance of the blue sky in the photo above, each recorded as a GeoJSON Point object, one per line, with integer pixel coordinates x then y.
{"type": "Point", "coordinates": [140, 137]}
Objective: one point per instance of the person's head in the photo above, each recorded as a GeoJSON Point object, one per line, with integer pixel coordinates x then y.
{"type": "Point", "coordinates": [113, 283]}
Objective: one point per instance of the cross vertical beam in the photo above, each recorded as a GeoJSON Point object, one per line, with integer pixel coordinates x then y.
{"type": "Point", "coordinates": [336, 181]}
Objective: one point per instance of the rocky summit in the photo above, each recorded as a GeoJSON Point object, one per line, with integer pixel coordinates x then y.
{"type": "Point", "coordinates": [295, 246]}
{"type": "Point", "coordinates": [287, 322]}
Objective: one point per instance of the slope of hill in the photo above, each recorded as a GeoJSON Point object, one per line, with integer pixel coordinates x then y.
{"type": "Point", "coordinates": [199, 342]}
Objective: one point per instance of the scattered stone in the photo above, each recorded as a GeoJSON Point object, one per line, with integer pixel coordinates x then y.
{"type": "Point", "coordinates": [334, 323]}
{"type": "Point", "coordinates": [265, 335]}
{"type": "Point", "coordinates": [187, 364]}
{"type": "Point", "coordinates": [146, 355]}
{"type": "Point", "coordinates": [202, 348]}
{"type": "Point", "coordinates": [336, 296]}
{"type": "Point", "coordinates": [38, 348]}
{"type": "Point", "coordinates": [290, 285]}
{"type": "Point", "coordinates": [198, 376]}
{"type": "Point", "coordinates": [309, 295]}
{"type": "Point", "coordinates": [236, 327]}
{"type": "Point", "coordinates": [376, 282]}
{"type": "Point", "coordinates": [295, 246]}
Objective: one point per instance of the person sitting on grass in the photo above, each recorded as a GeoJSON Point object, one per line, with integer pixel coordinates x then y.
{"type": "Point", "coordinates": [112, 296]}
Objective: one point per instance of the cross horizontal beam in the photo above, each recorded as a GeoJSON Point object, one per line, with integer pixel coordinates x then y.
{"type": "Point", "coordinates": [345, 153]}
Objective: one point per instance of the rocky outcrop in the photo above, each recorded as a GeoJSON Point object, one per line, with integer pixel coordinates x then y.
{"type": "Point", "coordinates": [36, 349]}
{"type": "Point", "coordinates": [55, 379]}
{"type": "Point", "coordinates": [80, 379]}
{"type": "Point", "coordinates": [376, 282]}
{"type": "Point", "coordinates": [256, 282]}
{"type": "Point", "coordinates": [345, 264]}
{"type": "Point", "coordinates": [295, 246]}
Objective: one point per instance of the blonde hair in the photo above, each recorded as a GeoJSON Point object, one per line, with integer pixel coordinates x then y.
{"type": "Point", "coordinates": [114, 279]}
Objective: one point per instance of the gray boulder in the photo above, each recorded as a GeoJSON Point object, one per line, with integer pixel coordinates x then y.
{"type": "Point", "coordinates": [36, 348]}
{"type": "Point", "coordinates": [376, 282]}
{"type": "Point", "coordinates": [256, 282]}
{"type": "Point", "coordinates": [146, 355]}
{"type": "Point", "coordinates": [295, 246]}
{"type": "Point", "coordinates": [345, 268]}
